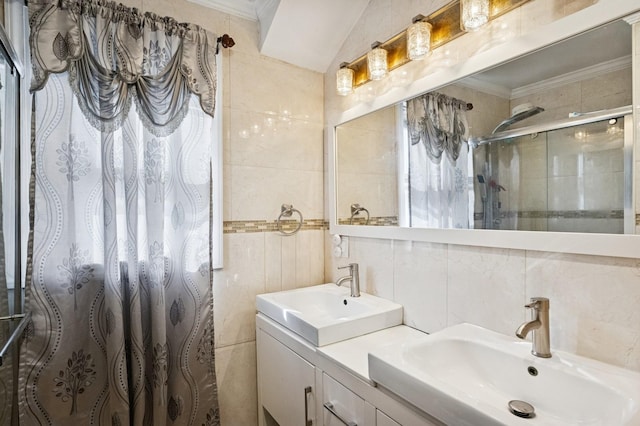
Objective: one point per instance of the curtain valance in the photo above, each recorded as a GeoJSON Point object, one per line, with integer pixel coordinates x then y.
{"type": "Point", "coordinates": [116, 55]}
{"type": "Point", "coordinates": [439, 122]}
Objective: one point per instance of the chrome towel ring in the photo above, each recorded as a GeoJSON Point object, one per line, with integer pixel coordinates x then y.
{"type": "Point", "coordinates": [286, 211]}
{"type": "Point", "coordinates": [355, 211]}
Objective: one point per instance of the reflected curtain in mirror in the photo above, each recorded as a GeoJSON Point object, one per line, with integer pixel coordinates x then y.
{"type": "Point", "coordinates": [438, 162]}
{"type": "Point", "coordinates": [120, 294]}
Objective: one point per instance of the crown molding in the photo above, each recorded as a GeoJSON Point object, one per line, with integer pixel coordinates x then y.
{"type": "Point", "coordinates": [632, 19]}
{"type": "Point", "coordinates": [551, 83]}
{"type": "Point", "coordinates": [242, 8]}
{"type": "Point", "coordinates": [573, 77]}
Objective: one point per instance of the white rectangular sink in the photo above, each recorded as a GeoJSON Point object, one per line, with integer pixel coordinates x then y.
{"type": "Point", "coordinates": [466, 375]}
{"type": "Point", "coordinates": [326, 314]}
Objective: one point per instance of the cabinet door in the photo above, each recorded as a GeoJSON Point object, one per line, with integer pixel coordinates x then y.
{"type": "Point", "coordinates": [345, 406]}
{"type": "Point", "coordinates": [286, 383]}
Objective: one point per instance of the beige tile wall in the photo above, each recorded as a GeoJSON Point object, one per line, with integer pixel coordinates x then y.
{"type": "Point", "coordinates": [593, 299]}
{"type": "Point", "coordinates": [273, 130]}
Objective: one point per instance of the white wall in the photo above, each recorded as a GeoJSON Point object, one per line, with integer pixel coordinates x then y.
{"type": "Point", "coordinates": [594, 300]}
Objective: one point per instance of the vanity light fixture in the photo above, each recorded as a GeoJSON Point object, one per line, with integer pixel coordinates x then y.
{"type": "Point", "coordinates": [473, 14]}
{"type": "Point", "coordinates": [377, 62]}
{"type": "Point", "coordinates": [344, 80]}
{"type": "Point", "coordinates": [444, 25]}
{"type": "Point", "coordinates": [418, 38]}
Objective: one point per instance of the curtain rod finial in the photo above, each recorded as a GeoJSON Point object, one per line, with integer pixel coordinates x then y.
{"type": "Point", "coordinates": [226, 41]}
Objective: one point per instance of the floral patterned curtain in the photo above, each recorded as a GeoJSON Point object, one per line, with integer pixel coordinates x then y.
{"type": "Point", "coordinates": [119, 281]}
{"type": "Point", "coordinates": [439, 167]}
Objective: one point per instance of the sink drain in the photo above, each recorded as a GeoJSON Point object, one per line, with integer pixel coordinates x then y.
{"type": "Point", "coordinates": [521, 409]}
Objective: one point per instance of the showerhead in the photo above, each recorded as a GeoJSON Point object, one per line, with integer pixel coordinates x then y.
{"type": "Point", "coordinates": [518, 113]}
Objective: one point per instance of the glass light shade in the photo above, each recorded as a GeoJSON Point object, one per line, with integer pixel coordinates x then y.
{"type": "Point", "coordinates": [473, 14]}
{"type": "Point", "coordinates": [377, 64]}
{"type": "Point", "coordinates": [418, 40]}
{"type": "Point", "coordinates": [344, 81]}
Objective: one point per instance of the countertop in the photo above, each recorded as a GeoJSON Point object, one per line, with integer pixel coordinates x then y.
{"type": "Point", "coordinates": [352, 354]}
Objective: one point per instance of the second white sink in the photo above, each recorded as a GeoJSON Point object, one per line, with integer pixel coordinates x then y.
{"type": "Point", "coordinates": [466, 375]}
{"type": "Point", "coordinates": [326, 314]}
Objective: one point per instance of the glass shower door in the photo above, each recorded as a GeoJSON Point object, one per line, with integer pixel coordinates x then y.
{"type": "Point", "coordinates": [586, 178]}
{"type": "Point", "coordinates": [571, 179]}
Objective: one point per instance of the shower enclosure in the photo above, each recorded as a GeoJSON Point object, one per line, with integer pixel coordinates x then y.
{"type": "Point", "coordinates": [572, 175]}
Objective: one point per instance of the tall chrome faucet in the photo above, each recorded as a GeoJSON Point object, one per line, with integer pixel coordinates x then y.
{"type": "Point", "coordinates": [539, 326]}
{"type": "Point", "coordinates": [353, 278]}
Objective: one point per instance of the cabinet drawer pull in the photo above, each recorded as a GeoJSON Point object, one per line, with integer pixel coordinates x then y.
{"type": "Point", "coordinates": [307, 421]}
{"type": "Point", "coordinates": [329, 406]}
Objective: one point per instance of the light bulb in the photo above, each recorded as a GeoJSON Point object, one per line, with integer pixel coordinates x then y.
{"type": "Point", "coordinates": [418, 40]}
{"type": "Point", "coordinates": [344, 81]}
{"type": "Point", "coordinates": [473, 14]}
{"type": "Point", "coordinates": [377, 62]}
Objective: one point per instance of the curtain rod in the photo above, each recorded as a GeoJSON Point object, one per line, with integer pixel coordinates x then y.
{"type": "Point", "coordinates": [226, 41]}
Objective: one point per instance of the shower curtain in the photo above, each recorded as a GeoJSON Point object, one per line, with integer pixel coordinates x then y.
{"type": "Point", "coordinates": [438, 162]}
{"type": "Point", "coordinates": [119, 279]}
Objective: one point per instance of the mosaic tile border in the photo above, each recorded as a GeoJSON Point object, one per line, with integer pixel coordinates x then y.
{"type": "Point", "coordinates": [373, 221]}
{"type": "Point", "coordinates": [250, 226]}
{"type": "Point", "coordinates": [562, 214]}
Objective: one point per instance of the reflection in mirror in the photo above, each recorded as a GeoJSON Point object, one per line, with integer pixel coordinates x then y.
{"type": "Point", "coordinates": [511, 148]}
{"type": "Point", "coordinates": [366, 160]}
{"type": "Point", "coordinates": [565, 179]}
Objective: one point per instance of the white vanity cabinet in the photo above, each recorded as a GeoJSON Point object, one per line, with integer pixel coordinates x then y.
{"type": "Point", "coordinates": [329, 383]}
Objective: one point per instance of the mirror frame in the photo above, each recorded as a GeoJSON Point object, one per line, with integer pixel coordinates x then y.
{"type": "Point", "coordinates": [615, 245]}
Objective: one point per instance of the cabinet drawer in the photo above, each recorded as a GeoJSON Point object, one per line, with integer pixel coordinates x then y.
{"type": "Point", "coordinates": [345, 404]}
{"type": "Point", "coordinates": [383, 420]}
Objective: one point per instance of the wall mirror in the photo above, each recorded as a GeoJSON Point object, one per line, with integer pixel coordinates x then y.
{"type": "Point", "coordinates": [538, 149]}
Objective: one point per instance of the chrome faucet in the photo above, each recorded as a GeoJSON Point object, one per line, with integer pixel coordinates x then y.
{"type": "Point", "coordinates": [539, 326]}
{"type": "Point", "coordinates": [353, 278]}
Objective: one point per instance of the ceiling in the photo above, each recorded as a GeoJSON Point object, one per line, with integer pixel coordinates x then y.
{"type": "Point", "coordinates": [306, 33]}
